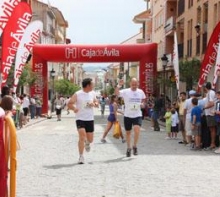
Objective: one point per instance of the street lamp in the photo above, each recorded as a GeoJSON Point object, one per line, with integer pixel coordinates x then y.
{"type": "Point", "coordinates": [164, 60]}
{"type": "Point", "coordinates": [52, 75]}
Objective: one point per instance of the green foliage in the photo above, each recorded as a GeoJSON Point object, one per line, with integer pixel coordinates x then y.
{"type": "Point", "coordinates": [189, 72]}
{"type": "Point", "coordinates": [110, 90]}
{"type": "Point", "coordinates": [65, 87]}
{"type": "Point", "coordinates": [28, 77]}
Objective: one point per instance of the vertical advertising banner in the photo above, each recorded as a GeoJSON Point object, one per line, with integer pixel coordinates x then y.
{"type": "Point", "coordinates": [148, 72]}
{"type": "Point", "coordinates": [6, 9]}
{"type": "Point", "coordinates": [210, 55]}
{"type": "Point", "coordinates": [12, 36]}
{"type": "Point", "coordinates": [30, 37]}
{"type": "Point", "coordinates": [176, 62]}
{"type": "Point", "coordinates": [40, 87]}
{"type": "Point", "coordinates": [217, 67]}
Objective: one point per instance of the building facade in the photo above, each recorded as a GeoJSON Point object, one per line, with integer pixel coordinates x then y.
{"type": "Point", "coordinates": [193, 21]}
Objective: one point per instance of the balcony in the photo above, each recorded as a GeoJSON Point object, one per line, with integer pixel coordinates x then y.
{"type": "Point", "coordinates": [170, 25]}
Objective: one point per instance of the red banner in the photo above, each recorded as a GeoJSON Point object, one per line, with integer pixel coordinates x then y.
{"type": "Point", "coordinates": [148, 72]}
{"type": "Point", "coordinates": [210, 55]}
{"type": "Point", "coordinates": [6, 9]}
{"type": "Point", "coordinates": [12, 36]}
{"type": "Point", "coordinates": [145, 53]}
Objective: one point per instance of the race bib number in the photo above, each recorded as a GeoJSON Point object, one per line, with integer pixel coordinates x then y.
{"type": "Point", "coordinates": [134, 106]}
{"type": "Point", "coordinates": [85, 105]}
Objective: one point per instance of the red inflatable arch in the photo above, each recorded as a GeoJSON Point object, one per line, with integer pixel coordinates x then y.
{"type": "Point", "coordinates": [146, 54]}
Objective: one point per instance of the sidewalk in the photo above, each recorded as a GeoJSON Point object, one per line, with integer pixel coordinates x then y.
{"type": "Point", "coordinates": [47, 164]}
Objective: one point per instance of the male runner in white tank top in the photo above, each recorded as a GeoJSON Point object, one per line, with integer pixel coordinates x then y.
{"type": "Point", "coordinates": [134, 99]}
{"type": "Point", "coordinates": [82, 103]}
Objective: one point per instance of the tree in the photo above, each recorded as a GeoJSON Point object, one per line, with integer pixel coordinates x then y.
{"type": "Point", "coordinates": [65, 87]}
{"type": "Point", "coordinates": [28, 77]}
{"type": "Point", "coordinates": [189, 72]}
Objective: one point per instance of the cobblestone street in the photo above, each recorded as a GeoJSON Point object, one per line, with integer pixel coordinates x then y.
{"type": "Point", "coordinates": [47, 164]}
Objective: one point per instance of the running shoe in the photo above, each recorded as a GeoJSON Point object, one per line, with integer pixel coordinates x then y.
{"type": "Point", "coordinates": [103, 140]}
{"type": "Point", "coordinates": [135, 151]}
{"type": "Point", "coordinates": [217, 151]}
{"type": "Point", "coordinates": [87, 146]}
{"type": "Point", "coordinates": [123, 140]}
{"type": "Point", "coordinates": [81, 160]}
{"type": "Point", "coordinates": [128, 153]}
{"type": "Point", "coordinates": [209, 148]}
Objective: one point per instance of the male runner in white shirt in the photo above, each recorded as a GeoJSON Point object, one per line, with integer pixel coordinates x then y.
{"type": "Point", "coordinates": [134, 99]}
{"type": "Point", "coordinates": [82, 103]}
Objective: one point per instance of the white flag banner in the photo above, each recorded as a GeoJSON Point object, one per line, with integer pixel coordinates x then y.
{"type": "Point", "coordinates": [217, 67]}
{"type": "Point", "coordinates": [6, 9]}
{"type": "Point", "coordinates": [176, 62]}
{"type": "Point", "coordinates": [30, 37]}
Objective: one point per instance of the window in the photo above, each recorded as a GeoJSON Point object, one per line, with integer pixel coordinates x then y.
{"type": "Point", "coordinates": [181, 7]}
{"type": "Point", "coordinates": [215, 15]}
{"type": "Point", "coordinates": [190, 3]}
{"type": "Point", "coordinates": [189, 38]}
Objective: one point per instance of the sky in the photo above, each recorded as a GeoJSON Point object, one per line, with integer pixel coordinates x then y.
{"type": "Point", "coordinates": [100, 21]}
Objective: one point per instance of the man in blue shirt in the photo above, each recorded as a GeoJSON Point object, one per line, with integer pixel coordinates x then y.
{"type": "Point", "coordinates": [196, 115]}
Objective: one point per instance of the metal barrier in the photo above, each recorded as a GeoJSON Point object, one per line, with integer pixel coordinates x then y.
{"type": "Point", "coordinates": [8, 156]}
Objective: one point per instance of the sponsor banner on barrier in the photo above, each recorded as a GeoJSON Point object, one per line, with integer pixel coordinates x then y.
{"type": "Point", "coordinates": [210, 55]}
{"type": "Point", "coordinates": [6, 9]}
{"type": "Point", "coordinates": [12, 36]}
{"type": "Point", "coordinates": [30, 37]}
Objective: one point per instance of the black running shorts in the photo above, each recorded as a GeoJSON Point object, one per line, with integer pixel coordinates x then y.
{"type": "Point", "coordinates": [129, 122]}
{"type": "Point", "coordinates": [87, 125]}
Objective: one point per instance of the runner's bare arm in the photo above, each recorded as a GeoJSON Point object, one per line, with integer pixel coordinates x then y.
{"type": "Point", "coordinates": [117, 88]}
{"type": "Point", "coordinates": [143, 101]}
{"type": "Point", "coordinates": [96, 102]}
{"type": "Point", "coordinates": [72, 102]}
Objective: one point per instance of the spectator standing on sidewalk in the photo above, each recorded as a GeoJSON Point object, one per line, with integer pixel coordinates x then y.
{"type": "Point", "coordinates": [167, 117]}
{"type": "Point", "coordinates": [25, 105]}
{"type": "Point", "coordinates": [180, 105]}
{"type": "Point", "coordinates": [156, 113]}
{"type": "Point", "coordinates": [196, 116]}
{"type": "Point", "coordinates": [38, 107]}
{"type": "Point", "coordinates": [112, 118]}
{"type": "Point", "coordinates": [17, 108]}
{"type": "Point", "coordinates": [174, 123]}
{"type": "Point", "coordinates": [58, 106]}
{"type": "Point", "coordinates": [217, 118]}
{"type": "Point", "coordinates": [82, 103]}
{"type": "Point", "coordinates": [32, 107]}
{"type": "Point", "coordinates": [134, 99]}
{"type": "Point", "coordinates": [187, 117]}
{"type": "Point", "coordinates": [210, 114]}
